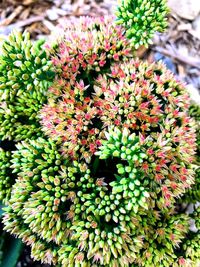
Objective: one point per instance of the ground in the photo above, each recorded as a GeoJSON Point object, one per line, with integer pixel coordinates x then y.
{"type": "Point", "coordinates": [179, 47]}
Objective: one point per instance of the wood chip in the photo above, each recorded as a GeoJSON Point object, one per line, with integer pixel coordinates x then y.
{"type": "Point", "coordinates": [12, 16]}
{"type": "Point", "coordinates": [29, 2]}
{"type": "Point", "coordinates": [195, 34]}
{"type": "Point", "coordinates": [187, 9]}
{"type": "Point", "coordinates": [181, 70]}
{"type": "Point", "coordinates": [141, 51]}
{"type": "Point", "coordinates": [179, 57]}
{"type": "Point", "coordinates": [25, 14]}
{"type": "Point", "coordinates": [49, 25]}
{"type": "Point", "coordinates": [184, 27]}
{"type": "Point", "coordinates": [7, 30]}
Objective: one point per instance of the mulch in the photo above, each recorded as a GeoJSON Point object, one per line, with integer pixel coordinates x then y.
{"type": "Point", "coordinates": [179, 47]}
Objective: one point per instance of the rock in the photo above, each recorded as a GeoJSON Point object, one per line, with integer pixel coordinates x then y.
{"type": "Point", "coordinates": [67, 6]}
{"type": "Point", "coordinates": [194, 93]}
{"type": "Point", "coordinates": [187, 9]}
{"type": "Point", "coordinates": [166, 60]}
{"type": "Point", "coordinates": [52, 14]}
{"type": "Point", "coordinates": [184, 27]}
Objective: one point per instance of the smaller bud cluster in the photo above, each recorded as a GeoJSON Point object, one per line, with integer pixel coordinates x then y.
{"type": "Point", "coordinates": [25, 75]}
{"type": "Point", "coordinates": [69, 121]}
{"type": "Point", "coordinates": [162, 233]}
{"type": "Point", "coordinates": [41, 187]}
{"type": "Point", "coordinates": [196, 217]}
{"type": "Point", "coordinates": [192, 195]}
{"type": "Point", "coordinates": [6, 178]}
{"type": "Point", "coordinates": [141, 19]}
{"type": "Point", "coordinates": [191, 250]}
{"type": "Point", "coordinates": [126, 146]}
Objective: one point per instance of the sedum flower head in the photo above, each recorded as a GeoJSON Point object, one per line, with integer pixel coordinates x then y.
{"type": "Point", "coordinates": [67, 204]}
{"type": "Point", "coordinates": [69, 216]}
{"type": "Point", "coordinates": [39, 188]}
{"type": "Point", "coordinates": [126, 146]}
{"type": "Point", "coordinates": [141, 19]}
{"type": "Point", "coordinates": [196, 217]}
{"type": "Point", "coordinates": [161, 238]}
{"type": "Point", "coordinates": [89, 46]}
{"type": "Point", "coordinates": [25, 75]}
{"type": "Point", "coordinates": [192, 194]}
{"type": "Point", "coordinates": [147, 100]}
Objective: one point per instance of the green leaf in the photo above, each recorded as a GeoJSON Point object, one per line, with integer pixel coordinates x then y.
{"type": "Point", "coordinates": [12, 253]}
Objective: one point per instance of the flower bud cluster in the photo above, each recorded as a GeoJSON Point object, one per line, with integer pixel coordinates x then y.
{"type": "Point", "coordinates": [88, 47]}
{"type": "Point", "coordinates": [6, 179]}
{"type": "Point", "coordinates": [147, 100]}
{"type": "Point", "coordinates": [163, 232]}
{"type": "Point", "coordinates": [127, 148]}
{"type": "Point", "coordinates": [191, 250]}
{"type": "Point", "coordinates": [192, 195]}
{"type": "Point", "coordinates": [25, 75]}
{"type": "Point", "coordinates": [39, 200]}
{"type": "Point", "coordinates": [60, 201]}
{"type": "Point", "coordinates": [141, 19]}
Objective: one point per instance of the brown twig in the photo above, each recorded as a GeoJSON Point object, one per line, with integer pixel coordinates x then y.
{"type": "Point", "coordinates": [20, 24]}
{"type": "Point", "coordinates": [13, 15]}
{"type": "Point", "coordinates": [178, 57]}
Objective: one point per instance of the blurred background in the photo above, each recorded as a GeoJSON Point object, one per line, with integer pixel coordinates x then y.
{"type": "Point", "coordinates": [178, 47]}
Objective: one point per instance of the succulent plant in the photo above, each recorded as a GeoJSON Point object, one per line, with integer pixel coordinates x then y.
{"type": "Point", "coordinates": [141, 19]}
{"type": "Point", "coordinates": [100, 190]}
{"type": "Point", "coordinates": [162, 239]}
{"type": "Point", "coordinates": [25, 75]}
{"type": "Point", "coordinates": [99, 185]}
{"type": "Point", "coordinates": [37, 196]}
